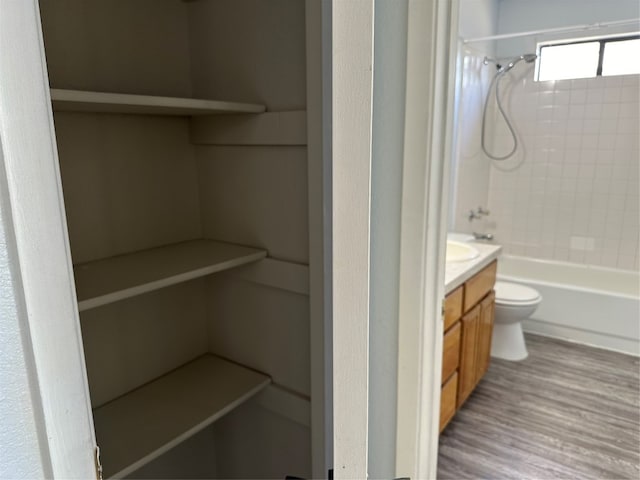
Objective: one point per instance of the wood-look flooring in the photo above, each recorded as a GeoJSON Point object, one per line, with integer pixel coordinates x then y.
{"type": "Point", "coordinates": [567, 411]}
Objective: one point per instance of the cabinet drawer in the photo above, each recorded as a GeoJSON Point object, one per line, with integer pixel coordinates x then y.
{"type": "Point", "coordinates": [453, 307]}
{"type": "Point", "coordinates": [450, 351]}
{"type": "Point", "coordinates": [479, 285]}
{"type": "Point", "coordinates": [448, 396]}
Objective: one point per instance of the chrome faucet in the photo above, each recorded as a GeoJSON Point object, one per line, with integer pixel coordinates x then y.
{"type": "Point", "coordinates": [477, 214]}
{"type": "Point", "coordinates": [483, 236]}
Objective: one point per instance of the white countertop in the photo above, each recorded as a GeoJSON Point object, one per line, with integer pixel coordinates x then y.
{"type": "Point", "coordinates": [456, 273]}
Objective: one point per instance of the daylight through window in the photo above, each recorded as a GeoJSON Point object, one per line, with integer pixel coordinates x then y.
{"type": "Point", "coordinates": [589, 58]}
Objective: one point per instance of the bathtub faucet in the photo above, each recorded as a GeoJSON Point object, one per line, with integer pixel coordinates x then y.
{"type": "Point", "coordinates": [477, 214]}
{"type": "Point", "coordinates": [483, 236]}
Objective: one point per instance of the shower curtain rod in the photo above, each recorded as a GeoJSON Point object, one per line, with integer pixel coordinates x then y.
{"type": "Point", "coordinates": [573, 28]}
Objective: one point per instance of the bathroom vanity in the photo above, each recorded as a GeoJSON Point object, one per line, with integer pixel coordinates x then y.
{"type": "Point", "coordinates": [468, 325]}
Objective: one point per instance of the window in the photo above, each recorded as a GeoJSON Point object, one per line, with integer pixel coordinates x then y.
{"type": "Point", "coordinates": [621, 58]}
{"type": "Point", "coordinates": [589, 58]}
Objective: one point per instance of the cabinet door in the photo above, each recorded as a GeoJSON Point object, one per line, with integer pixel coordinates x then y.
{"type": "Point", "coordinates": [450, 351]}
{"type": "Point", "coordinates": [485, 331]}
{"type": "Point", "coordinates": [468, 353]}
{"type": "Point", "coordinates": [448, 401]}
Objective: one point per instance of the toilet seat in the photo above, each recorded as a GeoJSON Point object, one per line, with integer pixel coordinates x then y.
{"type": "Point", "coordinates": [514, 294]}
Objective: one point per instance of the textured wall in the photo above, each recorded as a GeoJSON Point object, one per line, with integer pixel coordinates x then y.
{"type": "Point", "coordinates": [19, 448]}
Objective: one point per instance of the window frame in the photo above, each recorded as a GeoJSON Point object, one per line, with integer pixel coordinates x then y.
{"type": "Point", "coordinates": [602, 40]}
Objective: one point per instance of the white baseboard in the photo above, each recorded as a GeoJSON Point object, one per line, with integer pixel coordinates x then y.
{"type": "Point", "coordinates": [606, 341]}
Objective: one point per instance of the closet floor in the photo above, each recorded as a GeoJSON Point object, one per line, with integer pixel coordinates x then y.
{"type": "Point", "coordinates": [567, 411]}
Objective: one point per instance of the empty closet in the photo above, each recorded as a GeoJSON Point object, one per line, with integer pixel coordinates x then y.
{"type": "Point", "coordinates": [181, 130]}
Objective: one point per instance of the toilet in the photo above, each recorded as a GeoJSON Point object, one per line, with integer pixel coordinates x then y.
{"type": "Point", "coordinates": [514, 303]}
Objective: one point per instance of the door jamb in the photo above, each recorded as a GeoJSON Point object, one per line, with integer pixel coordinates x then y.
{"type": "Point", "coordinates": [40, 255]}
{"type": "Point", "coordinates": [429, 107]}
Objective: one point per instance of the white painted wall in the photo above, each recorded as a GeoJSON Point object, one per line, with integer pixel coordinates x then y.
{"type": "Point", "coordinates": [20, 455]}
{"type": "Point", "coordinates": [389, 79]}
{"type": "Point", "coordinates": [478, 18]}
{"type": "Point", "coordinates": [525, 15]}
{"type": "Point", "coordinates": [521, 15]}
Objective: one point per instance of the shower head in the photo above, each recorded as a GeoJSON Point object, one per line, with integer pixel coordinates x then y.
{"type": "Point", "coordinates": [527, 57]}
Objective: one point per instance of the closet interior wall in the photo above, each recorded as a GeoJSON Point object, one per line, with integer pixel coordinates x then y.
{"type": "Point", "coordinates": [133, 182]}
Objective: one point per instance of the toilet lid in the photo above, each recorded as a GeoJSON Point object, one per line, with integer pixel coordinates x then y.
{"type": "Point", "coordinates": [508, 292]}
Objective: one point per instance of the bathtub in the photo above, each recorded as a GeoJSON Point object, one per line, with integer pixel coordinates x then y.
{"type": "Point", "coordinates": [590, 305]}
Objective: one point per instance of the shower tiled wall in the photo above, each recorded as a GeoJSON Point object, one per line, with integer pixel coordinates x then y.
{"type": "Point", "coordinates": [571, 193]}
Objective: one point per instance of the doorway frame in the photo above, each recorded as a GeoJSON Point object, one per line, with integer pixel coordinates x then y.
{"type": "Point", "coordinates": [432, 28]}
{"type": "Point", "coordinates": [45, 289]}
{"type": "Point", "coordinates": [39, 253]}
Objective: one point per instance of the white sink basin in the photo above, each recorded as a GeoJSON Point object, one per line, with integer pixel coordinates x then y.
{"type": "Point", "coordinates": [460, 252]}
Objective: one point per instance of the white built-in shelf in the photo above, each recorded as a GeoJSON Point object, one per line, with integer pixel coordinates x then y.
{"type": "Point", "coordinates": [103, 102]}
{"type": "Point", "coordinates": [116, 278]}
{"type": "Point", "coordinates": [134, 429]}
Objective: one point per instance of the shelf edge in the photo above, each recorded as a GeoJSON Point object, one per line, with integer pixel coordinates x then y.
{"type": "Point", "coordinates": [192, 431]}
{"type": "Point", "coordinates": [106, 102]}
{"type": "Point", "coordinates": [166, 282]}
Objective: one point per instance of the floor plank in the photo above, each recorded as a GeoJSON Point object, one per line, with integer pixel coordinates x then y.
{"type": "Point", "coordinates": [567, 411]}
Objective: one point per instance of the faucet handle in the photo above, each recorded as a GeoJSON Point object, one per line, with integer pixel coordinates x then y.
{"type": "Point", "coordinates": [483, 236]}
{"type": "Point", "coordinates": [479, 213]}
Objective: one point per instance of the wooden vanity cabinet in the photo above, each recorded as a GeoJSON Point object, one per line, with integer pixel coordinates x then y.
{"type": "Point", "coordinates": [468, 348]}
{"type": "Point", "coordinates": [448, 400]}
{"type": "Point", "coordinates": [451, 351]}
{"type": "Point", "coordinates": [468, 324]}
{"type": "Point", "coordinates": [485, 331]}
{"type": "Point", "coordinates": [453, 307]}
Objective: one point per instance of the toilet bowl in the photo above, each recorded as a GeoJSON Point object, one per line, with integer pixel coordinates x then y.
{"type": "Point", "coordinates": [514, 303]}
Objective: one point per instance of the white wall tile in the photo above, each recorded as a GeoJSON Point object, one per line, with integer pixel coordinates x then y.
{"type": "Point", "coordinates": [578, 83]}
{"type": "Point", "coordinates": [595, 96]}
{"type": "Point", "coordinates": [627, 125]}
{"type": "Point", "coordinates": [629, 94]}
{"type": "Point", "coordinates": [611, 95]}
{"type": "Point", "coordinates": [576, 111]}
{"type": "Point", "coordinates": [629, 110]}
{"type": "Point", "coordinates": [610, 110]}
{"type": "Point", "coordinates": [616, 81]}
{"type": "Point", "coordinates": [626, 262]}
{"type": "Point", "coordinates": [593, 110]}
{"type": "Point", "coordinates": [580, 177]}
{"type": "Point", "coordinates": [578, 96]}
{"type": "Point", "coordinates": [607, 141]}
